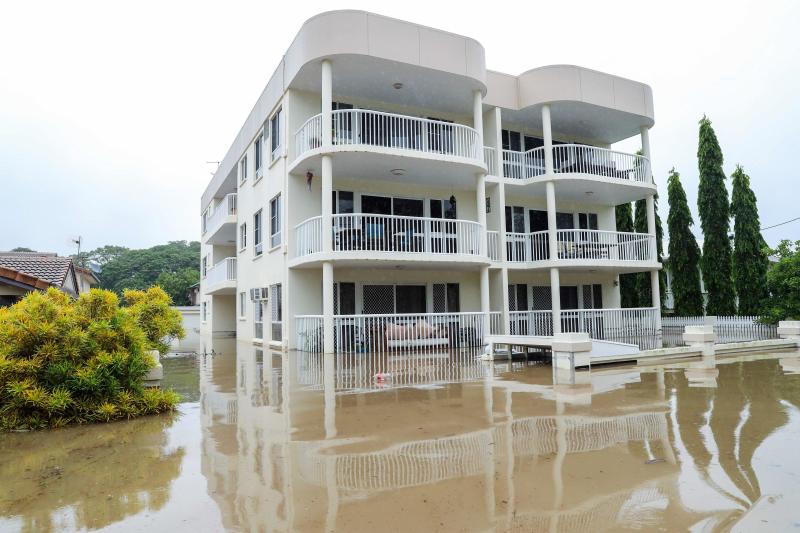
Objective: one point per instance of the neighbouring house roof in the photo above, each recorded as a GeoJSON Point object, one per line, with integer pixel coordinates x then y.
{"type": "Point", "coordinates": [38, 270]}
{"type": "Point", "coordinates": [88, 272]}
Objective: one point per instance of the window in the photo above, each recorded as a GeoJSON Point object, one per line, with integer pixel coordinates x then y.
{"type": "Point", "coordinates": [204, 268]}
{"type": "Point", "coordinates": [342, 202]}
{"type": "Point", "coordinates": [344, 298]}
{"type": "Point", "coordinates": [389, 299]}
{"type": "Point", "coordinates": [257, 233]}
{"type": "Point", "coordinates": [275, 221]}
{"type": "Point", "coordinates": [243, 169]}
{"type": "Point", "coordinates": [277, 312]}
{"type": "Point", "coordinates": [205, 311]}
{"type": "Point", "coordinates": [242, 236]}
{"type": "Point", "coordinates": [275, 133]}
{"type": "Point", "coordinates": [204, 220]}
{"type": "Point", "coordinates": [587, 220]}
{"type": "Point", "coordinates": [242, 304]}
{"type": "Point", "coordinates": [257, 147]}
{"type": "Point", "coordinates": [592, 296]}
{"type": "Point", "coordinates": [258, 320]}
{"type": "Point", "coordinates": [446, 298]}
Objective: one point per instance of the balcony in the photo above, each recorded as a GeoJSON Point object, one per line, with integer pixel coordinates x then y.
{"type": "Point", "coordinates": [580, 248]}
{"type": "Point", "coordinates": [373, 135]}
{"type": "Point", "coordinates": [583, 173]}
{"type": "Point", "coordinates": [359, 236]}
{"type": "Point", "coordinates": [220, 224]}
{"type": "Point", "coordinates": [221, 278]}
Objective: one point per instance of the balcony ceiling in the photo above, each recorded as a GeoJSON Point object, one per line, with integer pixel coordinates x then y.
{"type": "Point", "coordinates": [583, 189]}
{"type": "Point", "coordinates": [365, 78]}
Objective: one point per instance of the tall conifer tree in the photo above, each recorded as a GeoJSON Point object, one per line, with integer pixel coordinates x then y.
{"type": "Point", "coordinates": [684, 253]}
{"type": "Point", "coordinates": [643, 278]}
{"type": "Point", "coordinates": [712, 203]}
{"type": "Point", "coordinates": [627, 282]}
{"type": "Point", "coordinates": [749, 249]}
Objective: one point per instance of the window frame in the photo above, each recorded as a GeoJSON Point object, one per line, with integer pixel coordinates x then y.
{"type": "Point", "coordinates": [276, 133]}
{"type": "Point", "coordinates": [258, 154]}
{"type": "Point", "coordinates": [242, 236]}
{"type": "Point", "coordinates": [243, 169]}
{"type": "Point", "coordinates": [242, 305]}
{"type": "Point", "coordinates": [275, 235]}
{"type": "Point", "coordinates": [258, 239]}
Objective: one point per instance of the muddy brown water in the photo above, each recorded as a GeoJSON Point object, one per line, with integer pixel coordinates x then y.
{"type": "Point", "coordinates": [440, 442]}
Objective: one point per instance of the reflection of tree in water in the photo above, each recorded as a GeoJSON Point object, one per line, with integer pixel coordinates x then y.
{"type": "Point", "coordinates": [99, 474]}
{"type": "Point", "coordinates": [740, 414]}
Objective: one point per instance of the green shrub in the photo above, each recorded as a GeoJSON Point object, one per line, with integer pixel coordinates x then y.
{"type": "Point", "coordinates": [65, 361]}
{"type": "Point", "coordinates": [783, 282]}
{"type": "Point", "coordinates": [151, 310]}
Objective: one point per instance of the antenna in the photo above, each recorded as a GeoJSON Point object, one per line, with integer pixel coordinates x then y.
{"type": "Point", "coordinates": [78, 241]}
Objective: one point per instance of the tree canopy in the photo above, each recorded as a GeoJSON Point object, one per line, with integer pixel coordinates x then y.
{"type": "Point", "coordinates": [684, 253]}
{"type": "Point", "coordinates": [644, 295]}
{"type": "Point", "coordinates": [170, 263]}
{"type": "Point", "coordinates": [629, 298]}
{"type": "Point", "coordinates": [712, 203]}
{"type": "Point", "coordinates": [783, 281]}
{"type": "Point", "coordinates": [750, 261]}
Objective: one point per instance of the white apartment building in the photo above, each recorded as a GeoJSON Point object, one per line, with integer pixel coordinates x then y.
{"type": "Point", "coordinates": [387, 191]}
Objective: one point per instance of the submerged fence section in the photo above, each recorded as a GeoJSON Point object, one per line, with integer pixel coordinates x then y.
{"type": "Point", "coordinates": [727, 328]}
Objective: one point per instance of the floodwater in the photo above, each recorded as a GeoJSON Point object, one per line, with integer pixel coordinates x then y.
{"type": "Point", "coordinates": [271, 442]}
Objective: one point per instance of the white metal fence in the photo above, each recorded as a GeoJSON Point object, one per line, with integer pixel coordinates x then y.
{"type": "Point", "coordinates": [493, 245]}
{"type": "Point", "coordinates": [390, 130]}
{"type": "Point", "coordinates": [580, 159]}
{"type": "Point", "coordinates": [522, 165]}
{"type": "Point", "coordinates": [726, 328]}
{"type": "Point", "coordinates": [523, 247]}
{"type": "Point", "coordinates": [223, 210]}
{"type": "Point", "coordinates": [223, 271]}
{"type": "Point", "coordinates": [531, 323]}
{"type": "Point", "coordinates": [308, 237]}
{"type": "Point", "coordinates": [495, 323]}
{"type": "Point", "coordinates": [605, 245]}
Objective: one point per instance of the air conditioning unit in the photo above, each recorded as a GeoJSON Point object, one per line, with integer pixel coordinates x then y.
{"type": "Point", "coordinates": [259, 293]}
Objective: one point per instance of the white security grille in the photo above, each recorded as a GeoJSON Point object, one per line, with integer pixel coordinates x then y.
{"type": "Point", "coordinates": [378, 299]}
{"type": "Point", "coordinates": [439, 298]}
{"type": "Point", "coordinates": [588, 301]}
{"type": "Point", "coordinates": [541, 298]}
{"type": "Point", "coordinates": [276, 312]}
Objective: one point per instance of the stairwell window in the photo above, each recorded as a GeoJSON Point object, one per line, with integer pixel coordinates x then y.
{"type": "Point", "coordinates": [275, 221]}
{"type": "Point", "coordinates": [242, 305]}
{"type": "Point", "coordinates": [257, 148]}
{"type": "Point", "coordinates": [242, 236]}
{"type": "Point", "coordinates": [205, 311]}
{"type": "Point", "coordinates": [275, 133]}
{"type": "Point", "coordinates": [243, 170]}
{"type": "Point", "coordinates": [204, 267]}
{"type": "Point", "coordinates": [258, 319]}
{"type": "Point", "coordinates": [258, 246]}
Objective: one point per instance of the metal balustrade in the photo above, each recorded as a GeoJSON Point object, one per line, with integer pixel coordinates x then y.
{"type": "Point", "coordinates": [595, 245]}
{"type": "Point", "coordinates": [390, 233]}
{"type": "Point", "coordinates": [490, 158]}
{"type": "Point", "coordinates": [389, 130]}
{"type": "Point", "coordinates": [221, 272]}
{"type": "Point", "coordinates": [538, 323]}
{"type": "Point", "coordinates": [638, 326]}
{"type": "Point", "coordinates": [308, 237]}
{"type": "Point", "coordinates": [581, 159]}
{"type": "Point", "coordinates": [577, 159]}
{"type": "Point", "coordinates": [493, 245]}
{"type": "Point", "coordinates": [224, 209]}
{"type": "Point", "coordinates": [605, 245]}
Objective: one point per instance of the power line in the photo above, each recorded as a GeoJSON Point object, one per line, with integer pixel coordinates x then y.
{"type": "Point", "coordinates": [780, 224]}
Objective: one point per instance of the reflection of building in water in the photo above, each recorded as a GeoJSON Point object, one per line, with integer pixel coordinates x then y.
{"type": "Point", "coordinates": [308, 449]}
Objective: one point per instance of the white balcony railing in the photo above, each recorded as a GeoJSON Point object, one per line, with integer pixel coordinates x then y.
{"type": "Point", "coordinates": [635, 325]}
{"type": "Point", "coordinates": [389, 233]}
{"type": "Point", "coordinates": [222, 272]}
{"type": "Point", "coordinates": [605, 245]}
{"type": "Point", "coordinates": [226, 208]}
{"type": "Point", "coordinates": [580, 159]}
{"type": "Point", "coordinates": [594, 245]}
{"type": "Point", "coordinates": [308, 236]}
{"type": "Point", "coordinates": [490, 158]}
{"type": "Point", "coordinates": [577, 159]}
{"type": "Point", "coordinates": [389, 130]}
{"type": "Point", "coordinates": [493, 245]}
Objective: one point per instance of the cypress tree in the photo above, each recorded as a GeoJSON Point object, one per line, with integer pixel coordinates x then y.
{"type": "Point", "coordinates": [712, 203]}
{"type": "Point", "coordinates": [643, 278]}
{"type": "Point", "coordinates": [750, 260]}
{"type": "Point", "coordinates": [627, 282]}
{"type": "Point", "coordinates": [684, 253]}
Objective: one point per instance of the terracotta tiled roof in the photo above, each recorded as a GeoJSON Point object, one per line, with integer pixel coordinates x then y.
{"type": "Point", "coordinates": [45, 267]}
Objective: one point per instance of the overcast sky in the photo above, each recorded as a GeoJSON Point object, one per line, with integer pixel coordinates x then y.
{"type": "Point", "coordinates": [109, 111]}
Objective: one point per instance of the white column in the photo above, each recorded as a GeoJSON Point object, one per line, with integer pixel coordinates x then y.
{"type": "Point", "coordinates": [505, 315]}
{"type": "Point", "coordinates": [555, 296]}
{"type": "Point", "coordinates": [645, 137]}
{"type": "Point", "coordinates": [327, 103]}
{"type": "Point", "coordinates": [500, 209]}
{"type": "Point", "coordinates": [547, 133]}
{"type": "Point", "coordinates": [655, 290]}
{"type": "Point", "coordinates": [552, 234]}
{"type": "Point", "coordinates": [477, 118]}
{"type": "Point", "coordinates": [327, 307]}
{"type": "Point", "coordinates": [485, 306]}
{"type": "Point", "coordinates": [480, 200]}
{"type": "Point", "coordinates": [327, 203]}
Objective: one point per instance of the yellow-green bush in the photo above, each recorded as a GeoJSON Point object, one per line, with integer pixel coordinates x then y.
{"type": "Point", "coordinates": [65, 361]}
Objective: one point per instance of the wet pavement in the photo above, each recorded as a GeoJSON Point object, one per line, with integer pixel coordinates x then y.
{"type": "Point", "coordinates": [434, 442]}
